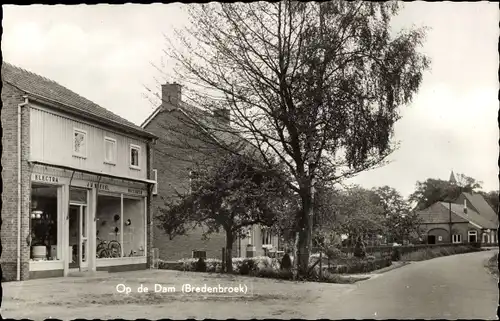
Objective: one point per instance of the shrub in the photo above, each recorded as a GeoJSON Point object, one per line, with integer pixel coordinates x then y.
{"type": "Point", "coordinates": [247, 266]}
{"type": "Point", "coordinates": [286, 262]}
{"type": "Point", "coordinates": [201, 266]}
{"type": "Point", "coordinates": [362, 266]}
{"type": "Point", "coordinates": [276, 274]}
{"type": "Point", "coordinates": [371, 258]}
{"type": "Point", "coordinates": [396, 254]}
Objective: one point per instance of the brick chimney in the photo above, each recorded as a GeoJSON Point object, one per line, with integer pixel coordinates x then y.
{"type": "Point", "coordinates": [465, 206]}
{"type": "Point", "coordinates": [223, 114]}
{"type": "Point", "coordinates": [171, 94]}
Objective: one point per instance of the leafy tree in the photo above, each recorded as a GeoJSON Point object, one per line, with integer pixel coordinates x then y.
{"type": "Point", "coordinates": [401, 221]}
{"type": "Point", "coordinates": [358, 216]}
{"type": "Point", "coordinates": [316, 85]}
{"type": "Point", "coordinates": [435, 190]}
{"type": "Point", "coordinates": [231, 194]}
{"type": "Point", "coordinates": [491, 198]}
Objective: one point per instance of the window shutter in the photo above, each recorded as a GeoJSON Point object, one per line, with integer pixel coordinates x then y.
{"type": "Point", "coordinates": [155, 186]}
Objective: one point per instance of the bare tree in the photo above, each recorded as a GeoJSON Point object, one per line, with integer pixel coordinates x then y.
{"type": "Point", "coordinates": [315, 85]}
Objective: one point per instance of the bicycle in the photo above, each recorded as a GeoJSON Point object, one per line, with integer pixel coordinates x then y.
{"type": "Point", "coordinates": [107, 249]}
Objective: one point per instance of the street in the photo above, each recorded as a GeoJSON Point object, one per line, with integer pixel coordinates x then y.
{"type": "Point", "coordinates": [453, 287]}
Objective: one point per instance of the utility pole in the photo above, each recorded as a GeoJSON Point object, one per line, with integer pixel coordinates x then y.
{"type": "Point", "coordinates": [451, 235]}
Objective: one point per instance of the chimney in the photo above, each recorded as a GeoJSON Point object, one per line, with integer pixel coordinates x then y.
{"type": "Point", "coordinates": [171, 94]}
{"type": "Point", "coordinates": [223, 114]}
{"type": "Point", "coordinates": [465, 206]}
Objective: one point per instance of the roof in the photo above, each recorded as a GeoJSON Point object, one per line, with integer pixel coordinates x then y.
{"type": "Point", "coordinates": [49, 91]}
{"type": "Point", "coordinates": [472, 216]}
{"type": "Point", "coordinates": [439, 212]}
{"type": "Point", "coordinates": [220, 131]}
{"type": "Point", "coordinates": [482, 207]}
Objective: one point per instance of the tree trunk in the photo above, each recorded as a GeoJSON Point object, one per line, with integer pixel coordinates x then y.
{"type": "Point", "coordinates": [305, 231]}
{"type": "Point", "coordinates": [229, 251]}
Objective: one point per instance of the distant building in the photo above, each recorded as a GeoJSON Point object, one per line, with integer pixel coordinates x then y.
{"type": "Point", "coordinates": [468, 219]}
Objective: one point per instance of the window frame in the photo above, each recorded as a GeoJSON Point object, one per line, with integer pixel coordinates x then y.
{"type": "Point", "coordinates": [115, 149]}
{"type": "Point", "coordinates": [454, 238]}
{"type": "Point", "coordinates": [84, 132]}
{"type": "Point", "coordinates": [470, 233]}
{"type": "Point", "coordinates": [138, 148]}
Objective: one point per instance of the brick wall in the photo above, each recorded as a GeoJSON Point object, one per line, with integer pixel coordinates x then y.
{"type": "Point", "coordinates": [442, 229]}
{"type": "Point", "coordinates": [11, 97]}
{"type": "Point", "coordinates": [173, 166]}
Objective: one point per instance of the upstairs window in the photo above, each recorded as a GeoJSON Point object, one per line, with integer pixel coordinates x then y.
{"type": "Point", "coordinates": [79, 143]}
{"type": "Point", "coordinates": [135, 152]}
{"type": "Point", "coordinates": [110, 150]}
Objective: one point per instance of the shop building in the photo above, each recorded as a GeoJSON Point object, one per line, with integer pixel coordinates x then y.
{"type": "Point", "coordinates": [76, 183]}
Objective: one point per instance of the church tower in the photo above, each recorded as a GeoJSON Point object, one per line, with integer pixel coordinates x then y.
{"type": "Point", "coordinates": [452, 178]}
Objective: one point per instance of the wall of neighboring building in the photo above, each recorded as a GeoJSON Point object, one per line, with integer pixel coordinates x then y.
{"type": "Point", "coordinates": [256, 239]}
{"type": "Point", "coordinates": [173, 167]}
{"type": "Point", "coordinates": [11, 97]}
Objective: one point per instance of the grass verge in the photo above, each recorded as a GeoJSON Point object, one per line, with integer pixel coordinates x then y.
{"type": "Point", "coordinates": [492, 265]}
{"type": "Point", "coordinates": [430, 253]}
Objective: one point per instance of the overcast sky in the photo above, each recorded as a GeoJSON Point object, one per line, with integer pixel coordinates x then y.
{"type": "Point", "coordinates": [104, 53]}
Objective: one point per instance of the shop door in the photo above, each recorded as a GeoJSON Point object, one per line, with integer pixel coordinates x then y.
{"type": "Point", "coordinates": [78, 236]}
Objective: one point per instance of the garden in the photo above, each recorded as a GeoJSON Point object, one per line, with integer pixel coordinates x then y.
{"type": "Point", "coordinates": [338, 267]}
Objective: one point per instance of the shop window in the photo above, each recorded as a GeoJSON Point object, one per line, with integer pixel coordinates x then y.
{"type": "Point", "coordinates": [108, 226]}
{"type": "Point", "coordinates": [456, 238]}
{"type": "Point", "coordinates": [44, 222]}
{"type": "Point", "coordinates": [79, 142]}
{"type": "Point", "coordinates": [134, 227]}
{"type": "Point", "coordinates": [109, 150]}
{"type": "Point", "coordinates": [134, 156]}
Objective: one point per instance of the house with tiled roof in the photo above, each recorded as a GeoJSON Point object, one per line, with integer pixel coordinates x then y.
{"type": "Point", "coordinates": [76, 182]}
{"type": "Point", "coordinates": [186, 135]}
{"type": "Point", "coordinates": [469, 218]}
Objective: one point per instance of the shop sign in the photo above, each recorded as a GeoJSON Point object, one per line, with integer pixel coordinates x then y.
{"type": "Point", "coordinates": [103, 187]}
{"type": "Point", "coordinates": [45, 178]}
{"type": "Point", "coordinates": [134, 191]}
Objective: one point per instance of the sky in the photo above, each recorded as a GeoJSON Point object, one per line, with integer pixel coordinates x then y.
{"type": "Point", "coordinates": [108, 54]}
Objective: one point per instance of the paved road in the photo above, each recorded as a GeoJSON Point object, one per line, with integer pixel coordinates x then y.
{"type": "Point", "coordinates": [452, 287]}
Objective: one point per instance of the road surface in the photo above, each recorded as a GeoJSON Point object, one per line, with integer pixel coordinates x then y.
{"type": "Point", "coordinates": [452, 287]}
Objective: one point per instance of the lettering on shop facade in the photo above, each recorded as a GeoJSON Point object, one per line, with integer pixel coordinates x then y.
{"type": "Point", "coordinates": [88, 184]}
{"type": "Point", "coordinates": [45, 178]}
{"type": "Point", "coordinates": [103, 187]}
{"type": "Point", "coordinates": [134, 191]}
